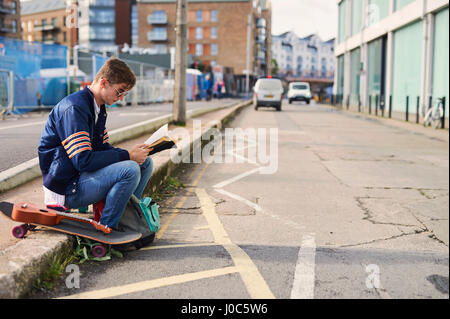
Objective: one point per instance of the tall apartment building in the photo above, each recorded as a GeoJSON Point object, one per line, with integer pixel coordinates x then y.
{"type": "Point", "coordinates": [392, 48]}
{"type": "Point", "coordinates": [10, 18]}
{"type": "Point", "coordinates": [217, 31]}
{"type": "Point", "coordinates": [45, 21]}
{"type": "Point", "coordinates": [307, 57]}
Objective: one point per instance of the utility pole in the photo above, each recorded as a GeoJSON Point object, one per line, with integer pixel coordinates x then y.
{"type": "Point", "coordinates": [179, 103]}
{"type": "Point", "coordinates": [247, 76]}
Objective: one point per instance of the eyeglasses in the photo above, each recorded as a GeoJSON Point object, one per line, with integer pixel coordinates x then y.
{"type": "Point", "coordinates": [119, 94]}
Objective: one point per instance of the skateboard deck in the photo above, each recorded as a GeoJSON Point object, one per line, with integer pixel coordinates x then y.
{"type": "Point", "coordinates": [77, 228]}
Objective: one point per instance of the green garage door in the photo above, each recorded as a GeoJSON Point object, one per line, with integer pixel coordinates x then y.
{"type": "Point", "coordinates": [440, 59]}
{"type": "Point", "coordinates": [406, 78]}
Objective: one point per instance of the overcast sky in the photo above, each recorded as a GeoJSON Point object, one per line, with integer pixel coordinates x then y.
{"type": "Point", "coordinates": [305, 17]}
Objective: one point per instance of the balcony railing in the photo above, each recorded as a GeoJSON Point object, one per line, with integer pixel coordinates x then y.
{"type": "Point", "coordinates": [157, 19]}
{"type": "Point", "coordinates": [102, 3]}
{"type": "Point", "coordinates": [6, 8]}
{"type": "Point", "coordinates": [45, 27]}
{"type": "Point", "coordinates": [157, 36]}
{"type": "Point", "coordinates": [260, 39]}
{"type": "Point", "coordinates": [261, 23]}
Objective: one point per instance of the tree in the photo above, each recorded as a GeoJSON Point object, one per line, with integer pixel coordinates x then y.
{"type": "Point", "coordinates": [275, 68]}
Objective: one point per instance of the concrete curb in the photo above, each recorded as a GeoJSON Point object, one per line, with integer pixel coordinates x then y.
{"type": "Point", "coordinates": [30, 170]}
{"type": "Point", "coordinates": [23, 263]}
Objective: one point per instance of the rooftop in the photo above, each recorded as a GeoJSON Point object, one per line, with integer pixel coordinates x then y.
{"type": "Point", "coordinates": [37, 6]}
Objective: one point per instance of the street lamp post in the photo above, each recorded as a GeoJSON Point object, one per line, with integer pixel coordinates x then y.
{"type": "Point", "coordinates": [179, 103]}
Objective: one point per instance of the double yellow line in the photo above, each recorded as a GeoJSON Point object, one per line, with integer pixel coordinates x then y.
{"type": "Point", "coordinates": [253, 280]}
{"type": "Point", "coordinates": [164, 227]}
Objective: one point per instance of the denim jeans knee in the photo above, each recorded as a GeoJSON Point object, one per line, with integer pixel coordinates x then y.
{"type": "Point", "coordinates": [146, 172]}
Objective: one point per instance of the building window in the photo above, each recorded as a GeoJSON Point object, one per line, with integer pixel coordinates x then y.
{"type": "Point", "coordinates": [199, 49]}
{"type": "Point", "coordinates": [101, 15]}
{"type": "Point", "coordinates": [214, 49]}
{"type": "Point", "coordinates": [342, 31]}
{"type": "Point", "coordinates": [213, 15]}
{"type": "Point", "coordinates": [160, 48]}
{"type": "Point", "coordinates": [199, 33]}
{"type": "Point", "coordinates": [214, 33]}
{"type": "Point", "coordinates": [157, 17]}
{"type": "Point", "coordinates": [199, 15]}
{"type": "Point", "coordinates": [157, 34]}
{"type": "Point", "coordinates": [134, 26]}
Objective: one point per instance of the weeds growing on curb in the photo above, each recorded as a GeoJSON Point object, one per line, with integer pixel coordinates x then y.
{"type": "Point", "coordinates": [56, 268]}
{"type": "Point", "coordinates": [168, 188]}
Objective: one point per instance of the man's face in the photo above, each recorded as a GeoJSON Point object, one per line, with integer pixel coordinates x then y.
{"type": "Point", "coordinates": [113, 92]}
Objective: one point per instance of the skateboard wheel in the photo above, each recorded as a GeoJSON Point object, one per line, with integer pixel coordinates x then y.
{"type": "Point", "coordinates": [98, 251]}
{"type": "Point", "coordinates": [19, 231]}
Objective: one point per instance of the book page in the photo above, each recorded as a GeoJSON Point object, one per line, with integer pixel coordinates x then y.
{"type": "Point", "coordinates": [161, 132]}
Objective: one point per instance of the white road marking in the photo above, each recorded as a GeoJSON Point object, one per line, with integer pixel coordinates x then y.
{"type": "Point", "coordinates": [236, 178]}
{"type": "Point", "coordinates": [253, 280]}
{"type": "Point", "coordinates": [137, 114]}
{"type": "Point", "coordinates": [303, 285]}
{"type": "Point", "coordinates": [22, 125]}
{"type": "Point", "coordinates": [258, 208]}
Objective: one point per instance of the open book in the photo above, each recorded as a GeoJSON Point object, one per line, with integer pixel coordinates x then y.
{"type": "Point", "coordinates": [160, 140]}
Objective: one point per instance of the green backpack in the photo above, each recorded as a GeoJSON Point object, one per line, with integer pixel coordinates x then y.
{"type": "Point", "coordinates": [141, 216]}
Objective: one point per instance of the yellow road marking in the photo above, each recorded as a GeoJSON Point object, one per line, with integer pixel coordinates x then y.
{"type": "Point", "coordinates": [151, 284]}
{"type": "Point", "coordinates": [253, 280]}
{"type": "Point", "coordinates": [179, 246]}
{"type": "Point", "coordinates": [163, 228]}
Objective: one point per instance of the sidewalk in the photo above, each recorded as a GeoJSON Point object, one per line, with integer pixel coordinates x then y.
{"type": "Point", "coordinates": [23, 260]}
{"type": "Point", "coordinates": [399, 122]}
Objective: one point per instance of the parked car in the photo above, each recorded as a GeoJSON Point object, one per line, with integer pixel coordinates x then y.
{"type": "Point", "coordinates": [268, 92]}
{"type": "Point", "coordinates": [299, 91]}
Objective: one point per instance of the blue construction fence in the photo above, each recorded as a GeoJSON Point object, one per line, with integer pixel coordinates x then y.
{"type": "Point", "coordinates": [39, 70]}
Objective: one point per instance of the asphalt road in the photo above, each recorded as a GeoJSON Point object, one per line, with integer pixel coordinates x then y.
{"type": "Point", "coordinates": [355, 208]}
{"type": "Point", "coordinates": [19, 136]}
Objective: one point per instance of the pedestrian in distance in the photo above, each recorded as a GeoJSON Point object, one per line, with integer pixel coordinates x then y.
{"type": "Point", "coordinates": [78, 165]}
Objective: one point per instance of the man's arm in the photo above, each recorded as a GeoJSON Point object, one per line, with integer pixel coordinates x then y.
{"type": "Point", "coordinates": [73, 130]}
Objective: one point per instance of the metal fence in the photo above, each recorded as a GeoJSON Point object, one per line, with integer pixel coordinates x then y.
{"type": "Point", "coordinates": [33, 74]}
{"type": "Point", "coordinates": [380, 105]}
{"type": "Point", "coordinates": [153, 83]}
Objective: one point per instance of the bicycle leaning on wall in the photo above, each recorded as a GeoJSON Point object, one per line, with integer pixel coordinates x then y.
{"type": "Point", "coordinates": [433, 116]}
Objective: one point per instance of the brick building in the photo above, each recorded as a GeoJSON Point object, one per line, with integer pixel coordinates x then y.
{"type": "Point", "coordinates": [45, 21]}
{"type": "Point", "coordinates": [217, 31]}
{"type": "Point", "coordinates": [10, 18]}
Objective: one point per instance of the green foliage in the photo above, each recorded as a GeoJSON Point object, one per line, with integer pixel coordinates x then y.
{"type": "Point", "coordinates": [168, 188]}
{"type": "Point", "coordinates": [84, 247]}
{"type": "Point", "coordinates": [56, 268]}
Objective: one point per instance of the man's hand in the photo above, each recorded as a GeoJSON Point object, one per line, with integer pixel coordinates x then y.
{"type": "Point", "coordinates": [139, 153]}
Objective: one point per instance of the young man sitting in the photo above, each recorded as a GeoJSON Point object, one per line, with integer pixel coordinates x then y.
{"type": "Point", "coordinates": [79, 166]}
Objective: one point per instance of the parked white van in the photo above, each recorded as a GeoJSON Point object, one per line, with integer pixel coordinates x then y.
{"type": "Point", "coordinates": [268, 92]}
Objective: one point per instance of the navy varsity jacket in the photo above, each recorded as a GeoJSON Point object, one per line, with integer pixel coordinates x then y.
{"type": "Point", "coordinates": [72, 142]}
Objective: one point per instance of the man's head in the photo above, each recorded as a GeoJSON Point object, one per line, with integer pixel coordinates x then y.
{"type": "Point", "coordinates": [112, 81]}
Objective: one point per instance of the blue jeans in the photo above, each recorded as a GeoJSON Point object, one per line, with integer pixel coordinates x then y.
{"type": "Point", "coordinates": [115, 184]}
